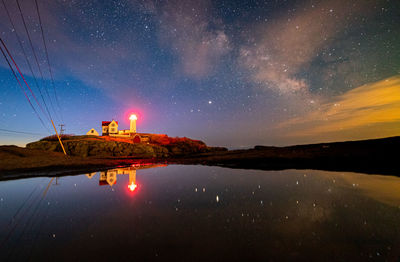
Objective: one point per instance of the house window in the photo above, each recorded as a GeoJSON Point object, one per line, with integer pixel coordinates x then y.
{"type": "Point", "coordinates": [112, 129]}
{"type": "Point", "coordinates": [112, 124]}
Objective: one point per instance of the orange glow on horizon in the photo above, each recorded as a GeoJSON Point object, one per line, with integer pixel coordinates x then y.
{"type": "Point", "coordinates": [133, 117]}
{"type": "Point", "coordinates": [369, 111]}
{"type": "Point", "coordinates": [132, 187]}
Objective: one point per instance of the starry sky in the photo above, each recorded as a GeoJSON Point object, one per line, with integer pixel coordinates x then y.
{"type": "Point", "coordinates": [231, 73]}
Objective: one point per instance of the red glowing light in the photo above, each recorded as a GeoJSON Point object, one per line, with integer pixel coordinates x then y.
{"type": "Point", "coordinates": [133, 117]}
{"type": "Point", "coordinates": [132, 187]}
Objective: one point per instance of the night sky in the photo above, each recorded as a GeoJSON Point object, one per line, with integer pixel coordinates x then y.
{"type": "Point", "coordinates": [231, 73]}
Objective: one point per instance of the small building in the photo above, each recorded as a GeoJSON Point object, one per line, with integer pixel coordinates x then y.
{"type": "Point", "coordinates": [109, 127]}
{"type": "Point", "coordinates": [108, 178]}
{"type": "Point", "coordinates": [92, 132]}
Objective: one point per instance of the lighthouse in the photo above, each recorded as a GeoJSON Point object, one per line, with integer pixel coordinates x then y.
{"type": "Point", "coordinates": [110, 128]}
{"type": "Point", "coordinates": [133, 119]}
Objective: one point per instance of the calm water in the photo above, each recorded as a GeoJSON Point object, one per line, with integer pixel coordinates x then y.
{"type": "Point", "coordinates": [197, 213]}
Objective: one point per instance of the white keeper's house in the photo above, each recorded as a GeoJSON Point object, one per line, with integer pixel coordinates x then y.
{"type": "Point", "coordinates": [110, 128]}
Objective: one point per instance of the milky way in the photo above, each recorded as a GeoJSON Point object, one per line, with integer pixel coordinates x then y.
{"type": "Point", "coordinates": [232, 73]}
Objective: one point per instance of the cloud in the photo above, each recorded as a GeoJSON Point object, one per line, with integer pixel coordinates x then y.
{"type": "Point", "coordinates": [362, 112]}
{"type": "Point", "coordinates": [288, 44]}
{"type": "Point", "coordinates": [110, 57]}
{"type": "Point", "coordinates": [100, 55]}
{"type": "Point", "coordinates": [197, 38]}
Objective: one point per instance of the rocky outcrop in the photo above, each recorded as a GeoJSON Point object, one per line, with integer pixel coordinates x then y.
{"type": "Point", "coordinates": [106, 147]}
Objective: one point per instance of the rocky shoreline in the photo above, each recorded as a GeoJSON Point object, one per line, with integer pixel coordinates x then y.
{"type": "Point", "coordinates": [91, 152]}
{"type": "Point", "coordinates": [376, 156]}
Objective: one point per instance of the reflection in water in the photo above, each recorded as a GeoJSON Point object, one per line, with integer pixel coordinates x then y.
{"type": "Point", "coordinates": [385, 189]}
{"type": "Point", "coordinates": [197, 213]}
{"type": "Point", "coordinates": [109, 177]}
{"type": "Point", "coordinates": [132, 181]}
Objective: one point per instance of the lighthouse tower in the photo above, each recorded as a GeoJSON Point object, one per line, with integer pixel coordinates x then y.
{"type": "Point", "coordinates": [133, 119]}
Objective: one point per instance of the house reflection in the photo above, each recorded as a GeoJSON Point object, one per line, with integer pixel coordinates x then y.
{"type": "Point", "coordinates": [109, 177]}
{"type": "Point", "coordinates": [90, 175]}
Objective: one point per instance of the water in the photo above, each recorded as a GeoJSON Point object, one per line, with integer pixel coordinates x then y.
{"type": "Point", "coordinates": [197, 213]}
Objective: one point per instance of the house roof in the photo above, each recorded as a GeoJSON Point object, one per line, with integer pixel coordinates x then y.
{"type": "Point", "coordinates": [106, 123]}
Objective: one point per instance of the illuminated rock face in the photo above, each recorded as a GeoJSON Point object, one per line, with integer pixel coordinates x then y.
{"type": "Point", "coordinates": [140, 145]}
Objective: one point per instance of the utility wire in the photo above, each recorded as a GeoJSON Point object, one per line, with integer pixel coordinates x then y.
{"type": "Point", "coordinates": [48, 60]}
{"type": "Point", "coordinates": [20, 132]}
{"type": "Point", "coordinates": [19, 83]}
{"type": "Point", "coordinates": [41, 74]}
{"type": "Point", "coordinates": [24, 53]}
{"type": "Point", "coordinates": [36, 59]}
{"type": "Point", "coordinates": [19, 71]}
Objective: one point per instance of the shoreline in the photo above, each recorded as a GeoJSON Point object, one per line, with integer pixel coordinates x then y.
{"type": "Point", "coordinates": [376, 156]}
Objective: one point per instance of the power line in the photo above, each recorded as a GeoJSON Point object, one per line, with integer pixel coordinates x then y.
{"type": "Point", "coordinates": [20, 132]}
{"type": "Point", "coordinates": [24, 53]}
{"type": "Point", "coordinates": [22, 76]}
{"type": "Point", "coordinates": [47, 57]}
{"type": "Point", "coordinates": [40, 71]}
{"type": "Point", "coordinates": [37, 61]}
{"type": "Point", "coordinates": [20, 85]}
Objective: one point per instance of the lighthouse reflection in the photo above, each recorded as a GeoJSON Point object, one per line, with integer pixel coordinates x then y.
{"type": "Point", "coordinates": [109, 177]}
